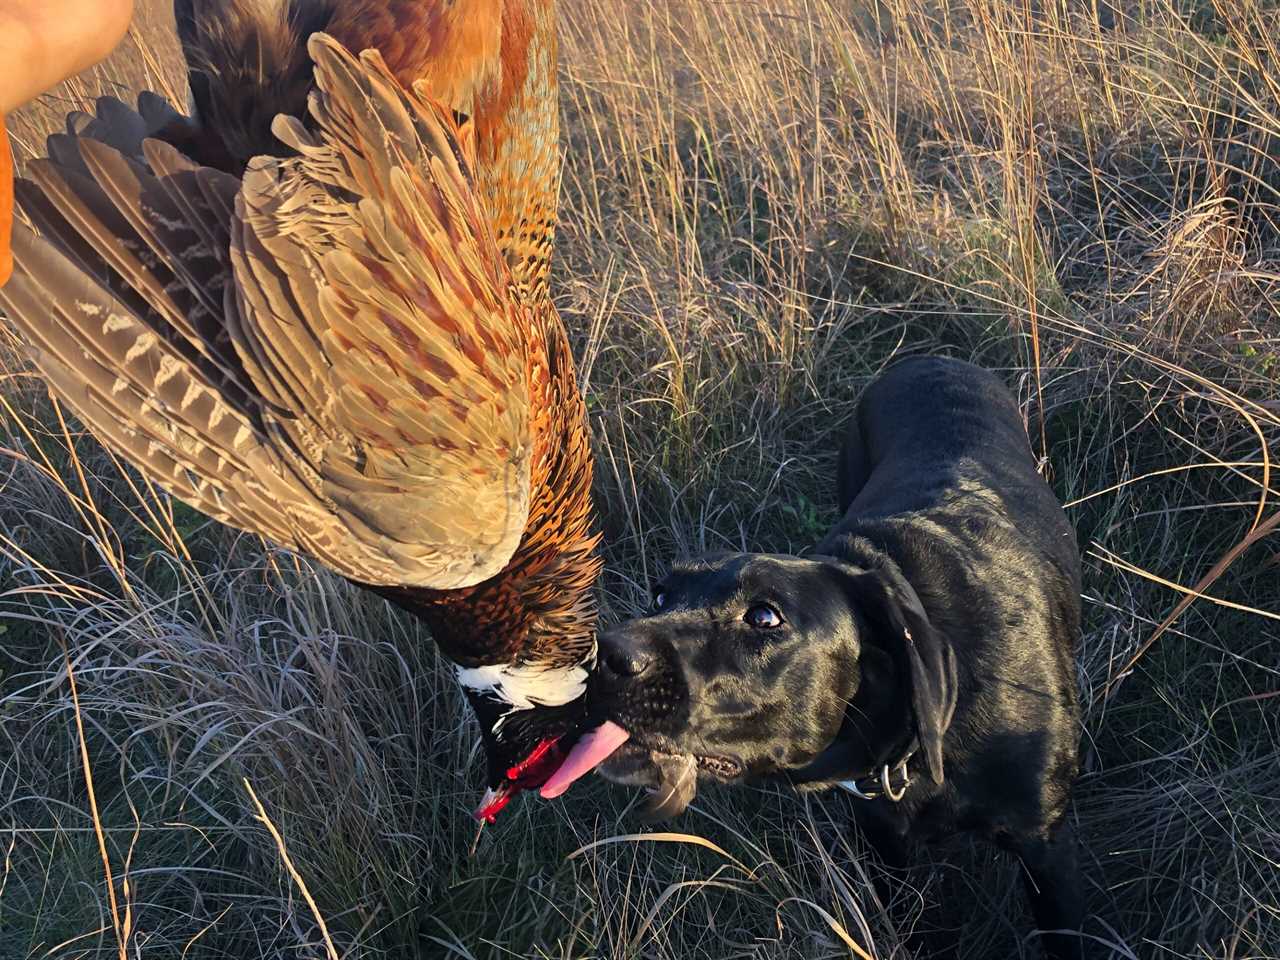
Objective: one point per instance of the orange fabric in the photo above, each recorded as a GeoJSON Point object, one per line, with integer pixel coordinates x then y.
{"type": "Point", "coordinates": [6, 204]}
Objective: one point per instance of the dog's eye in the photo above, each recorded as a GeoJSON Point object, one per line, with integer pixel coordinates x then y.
{"type": "Point", "coordinates": [763, 616]}
{"type": "Point", "coordinates": [659, 599]}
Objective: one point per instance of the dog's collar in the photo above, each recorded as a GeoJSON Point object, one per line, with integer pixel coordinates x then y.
{"type": "Point", "coordinates": [886, 779]}
{"type": "Point", "coordinates": [889, 781]}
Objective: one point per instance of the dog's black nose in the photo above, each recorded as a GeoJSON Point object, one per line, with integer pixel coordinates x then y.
{"type": "Point", "coordinates": [626, 654]}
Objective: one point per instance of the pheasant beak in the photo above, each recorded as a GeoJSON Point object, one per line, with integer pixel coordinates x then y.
{"type": "Point", "coordinates": [529, 773]}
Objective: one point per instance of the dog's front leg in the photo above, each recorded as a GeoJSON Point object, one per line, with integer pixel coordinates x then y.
{"type": "Point", "coordinates": [895, 851]}
{"type": "Point", "coordinates": [1051, 873]}
{"type": "Point", "coordinates": [885, 838]}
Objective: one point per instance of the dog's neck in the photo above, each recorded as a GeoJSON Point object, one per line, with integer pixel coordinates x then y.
{"type": "Point", "coordinates": [877, 728]}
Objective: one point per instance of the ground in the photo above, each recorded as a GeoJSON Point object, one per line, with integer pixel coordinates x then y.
{"type": "Point", "coordinates": [762, 204]}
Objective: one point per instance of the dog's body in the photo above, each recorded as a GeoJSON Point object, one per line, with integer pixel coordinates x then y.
{"type": "Point", "coordinates": [923, 655]}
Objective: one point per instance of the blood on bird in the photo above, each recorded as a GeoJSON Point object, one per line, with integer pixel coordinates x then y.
{"type": "Point", "coordinates": [529, 773]}
{"type": "Point", "coordinates": [489, 812]}
{"type": "Point", "coordinates": [538, 765]}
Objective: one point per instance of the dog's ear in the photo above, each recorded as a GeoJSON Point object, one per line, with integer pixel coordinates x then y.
{"type": "Point", "coordinates": [886, 598]}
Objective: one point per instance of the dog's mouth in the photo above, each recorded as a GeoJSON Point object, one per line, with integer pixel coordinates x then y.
{"type": "Point", "coordinates": [592, 748]}
{"type": "Point", "coordinates": [668, 773]}
{"type": "Point", "coordinates": [638, 755]}
{"type": "Point", "coordinates": [725, 769]}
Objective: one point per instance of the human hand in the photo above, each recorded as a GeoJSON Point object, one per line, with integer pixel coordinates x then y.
{"type": "Point", "coordinates": [42, 42]}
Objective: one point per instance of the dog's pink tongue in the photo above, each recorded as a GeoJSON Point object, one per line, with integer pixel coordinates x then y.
{"type": "Point", "coordinates": [592, 749]}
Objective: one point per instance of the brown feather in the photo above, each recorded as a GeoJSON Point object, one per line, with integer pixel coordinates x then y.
{"type": "Point", "coordinates": [490, 61]}
{"type": "Point", "coordinates": [352, 430]}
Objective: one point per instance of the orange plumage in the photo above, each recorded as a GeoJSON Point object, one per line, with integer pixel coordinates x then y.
{"type": "Point", "coordinates": [333, 328]}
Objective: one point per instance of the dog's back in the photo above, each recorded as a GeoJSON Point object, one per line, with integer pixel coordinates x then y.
{"type": "Point", "coordinates": [954, 429]}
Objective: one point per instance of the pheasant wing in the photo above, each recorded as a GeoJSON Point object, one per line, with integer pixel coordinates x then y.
{"type": "Point", "coordinates": [366, 399]}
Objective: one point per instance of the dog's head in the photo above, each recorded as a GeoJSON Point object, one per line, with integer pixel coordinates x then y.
{"type": "Point", "coordinates": [746, 665]}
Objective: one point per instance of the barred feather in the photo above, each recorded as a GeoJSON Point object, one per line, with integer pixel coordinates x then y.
{"type": "Point", "coordinates": [369, 404]}
{"type": "Point", "coordinates": [491, 61]}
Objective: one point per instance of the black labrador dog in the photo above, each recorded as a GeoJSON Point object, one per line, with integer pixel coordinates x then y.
{"type": "Point", "coordinates": [922, 656]}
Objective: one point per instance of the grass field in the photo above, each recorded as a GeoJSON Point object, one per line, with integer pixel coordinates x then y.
{"type": "Point", "coordinates": [763, 204]}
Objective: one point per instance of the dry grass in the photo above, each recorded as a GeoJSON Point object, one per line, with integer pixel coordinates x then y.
{"type": "Point", "coordinates": [763, 203]}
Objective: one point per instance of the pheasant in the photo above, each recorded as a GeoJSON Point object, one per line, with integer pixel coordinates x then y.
{"type": "Point", "coordinates": [317, 310]}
